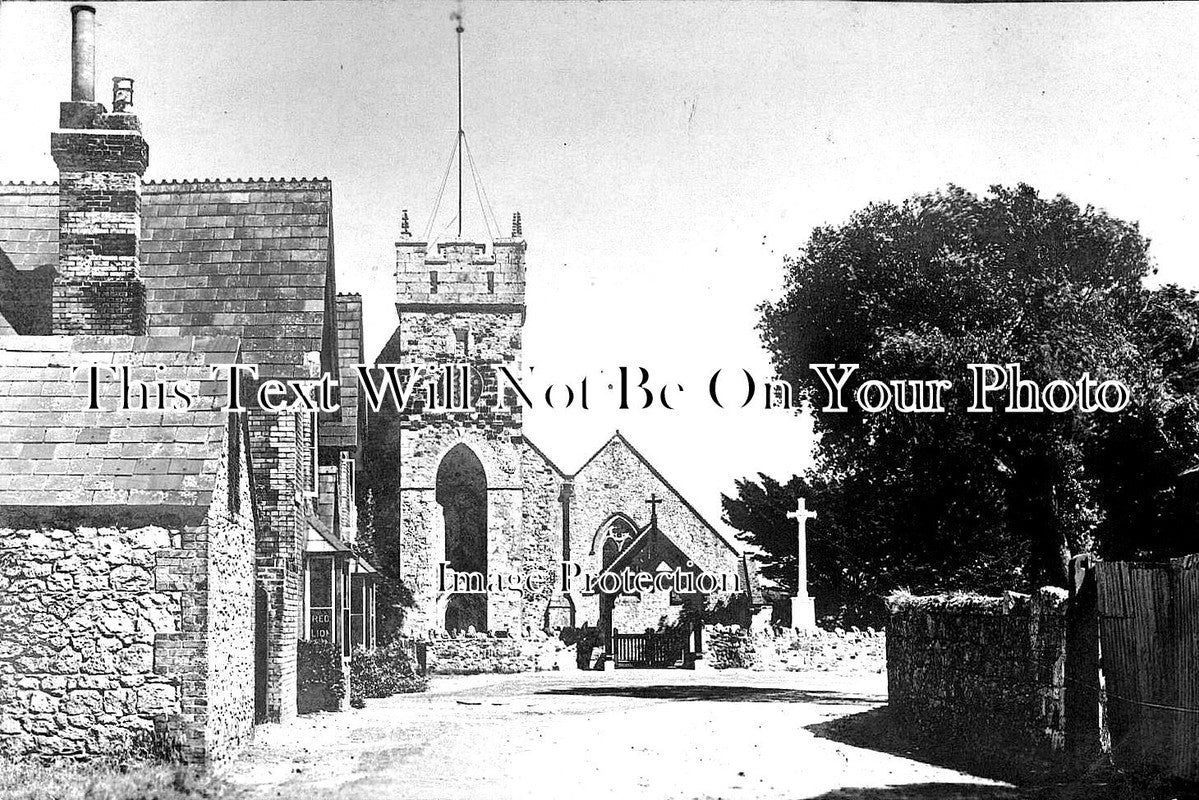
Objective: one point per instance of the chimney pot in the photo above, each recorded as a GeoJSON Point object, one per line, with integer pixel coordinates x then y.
{"type": "Point", "coordinates": [83, 54]}
{"type": "Point", "coordinates": [122, 95]}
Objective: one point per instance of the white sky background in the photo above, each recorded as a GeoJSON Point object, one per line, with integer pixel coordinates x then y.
{"type": "Point", "coordinates": [664, 157]}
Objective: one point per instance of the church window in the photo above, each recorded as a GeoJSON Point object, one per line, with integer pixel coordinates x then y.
{"type": "Point", "coordinates": [620, 532]}
{"type": "Point", "coordinates": [491, 283]}
{"type": "Point", "coordinates": [433, 281]}
{"type": "Point", "coordinates": [462, 495]}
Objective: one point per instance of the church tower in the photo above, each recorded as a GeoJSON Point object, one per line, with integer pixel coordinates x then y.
{"type": "Point", "coordinates": [451, 481]}
{"type": "Point", "coordinates": [460, 482]}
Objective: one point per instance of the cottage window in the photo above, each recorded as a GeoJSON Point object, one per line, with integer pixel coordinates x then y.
{"type": "Point", "coordinates": [321, 592]}
{"type": "Point", "coordinates": [312, 478]}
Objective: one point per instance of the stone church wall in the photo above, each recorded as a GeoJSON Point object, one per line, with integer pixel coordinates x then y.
{"type": "Point", "coordinates": [985, 671]}
{"type": "Point", "coordinates": [542, 534]}
{"type": "Point", "coordinates": [617, 480]}
{"type": "Point", "coordinates": [650, 611]}
{"type": "Point", "coordinates": [492, 433]}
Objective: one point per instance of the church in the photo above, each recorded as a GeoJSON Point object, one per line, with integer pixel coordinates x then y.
{"type": "Point", "coordinates": [466, 491]}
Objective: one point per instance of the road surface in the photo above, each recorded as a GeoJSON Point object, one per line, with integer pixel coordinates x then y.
{"type": "Point", "coordinates": [627, 734]}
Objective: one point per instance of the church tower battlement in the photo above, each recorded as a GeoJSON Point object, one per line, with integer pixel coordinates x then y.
{"type": "Point", "coordinates": [460, 273]}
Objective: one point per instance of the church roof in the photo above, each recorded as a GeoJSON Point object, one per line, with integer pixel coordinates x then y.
{"type": "Point", "coordinates": [54, 451]}
{"type": "Point", "coordinates": [752, 579]}
{"type": "Point", "coordinates": [637, 555]}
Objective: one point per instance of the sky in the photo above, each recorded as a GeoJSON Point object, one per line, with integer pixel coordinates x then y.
{"type": "Point", "coordinates": [665, 157]}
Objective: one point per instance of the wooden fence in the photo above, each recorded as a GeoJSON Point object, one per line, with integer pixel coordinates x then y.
{"type": "Point", "coordinates": [1149, 645]}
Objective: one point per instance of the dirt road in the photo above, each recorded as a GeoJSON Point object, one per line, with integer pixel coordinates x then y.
{"type": "Point", "coordinates": [627, 734]}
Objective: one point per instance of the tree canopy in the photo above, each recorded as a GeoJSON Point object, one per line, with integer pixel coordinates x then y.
{"type": "Point", "coordinates": [920, 289]}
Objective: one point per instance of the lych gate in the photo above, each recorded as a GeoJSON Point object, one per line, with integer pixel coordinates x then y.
{"type": "Point", "coordinates": [675, 635]}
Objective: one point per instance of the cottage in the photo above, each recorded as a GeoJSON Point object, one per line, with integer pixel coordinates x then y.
{"type": "Point", "coordinates": [186, 274]}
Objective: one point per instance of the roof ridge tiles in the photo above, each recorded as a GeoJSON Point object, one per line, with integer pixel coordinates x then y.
{"type": "Point", "coordinates": [225, 181]}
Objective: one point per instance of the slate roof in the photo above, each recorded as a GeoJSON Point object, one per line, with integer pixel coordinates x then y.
{"type": "Point", "coordinates": [28, 255]}
{"type": "Point", "coordinates": [343, 432]}
{"type": "Point", "coordinates": [28, 225]}
{"type": "Point", "coordinates": [640, 557]}
{"type": "Point", "coordinates": [56, 452]}
{"type": "Point", "coordinates": [251, 259]}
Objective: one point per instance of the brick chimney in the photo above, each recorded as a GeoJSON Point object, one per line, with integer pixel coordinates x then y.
{"type": "Point", "coordinates": [101, 157]}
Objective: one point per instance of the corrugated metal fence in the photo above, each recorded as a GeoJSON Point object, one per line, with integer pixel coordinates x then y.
{"type": "Point", "coordinates": [1149, 643]}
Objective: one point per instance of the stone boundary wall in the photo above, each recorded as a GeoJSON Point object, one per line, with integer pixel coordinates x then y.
{"type": "Point", "coordinates": [474, 653]}
{"type": "Point", "coordinates": [988, 672]}
{"type": "Point", "coordinates": [790, 650]}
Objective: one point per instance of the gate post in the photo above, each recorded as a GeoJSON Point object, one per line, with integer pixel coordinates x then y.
{"type": "Point", "coordinates": [1083, 702]}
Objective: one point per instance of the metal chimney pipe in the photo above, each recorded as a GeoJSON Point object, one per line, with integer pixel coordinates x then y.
{"type": "Point", "coordinates": [83, 54]}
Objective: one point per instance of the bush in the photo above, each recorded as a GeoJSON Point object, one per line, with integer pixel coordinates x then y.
{"type": "Point", "coordinates": [385, 670]}
{"type": "Point", "coordinates": [108, 778]}
{"type": "Point", "coordinates": [320, 676]}
{"type": "Point", "coordinates": [587, 638]}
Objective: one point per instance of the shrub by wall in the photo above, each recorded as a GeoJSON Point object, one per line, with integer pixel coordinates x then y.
{"type": "Point", "coordinates": [383, 671]}
{"type": "Point", "coordinates": [320, 676]}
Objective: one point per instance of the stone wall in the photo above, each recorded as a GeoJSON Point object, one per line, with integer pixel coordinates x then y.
{"type": "Point", "coordinates": [229, 630]}
{"type": "Point", "coordinates": [733, 646]}
{"type": "Point", "coordinates": [984, 671]}
{"type": "Point", "coordinates": [618, 479]}
{"type": "Point", "coordinates": [81, 618]}
{"type": "Point", "coordinates": [415, 441]}
{"type": "Point", "coordinates": [117, 634]}
{"type": "Point", "coordinates": [472, 653]}
{"type": "Point", "coordinates": [541, 530]}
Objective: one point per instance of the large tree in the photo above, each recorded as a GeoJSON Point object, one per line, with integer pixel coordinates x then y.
{"type": "Point", "coordinates": [920, 289]}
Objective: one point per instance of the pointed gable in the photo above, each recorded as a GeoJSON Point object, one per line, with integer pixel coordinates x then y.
{"type": "Point", "coordinates": [619, 479]}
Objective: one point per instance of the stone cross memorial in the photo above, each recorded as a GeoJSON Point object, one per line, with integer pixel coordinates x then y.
{"type": "Point", "coordinates": [803, 609]}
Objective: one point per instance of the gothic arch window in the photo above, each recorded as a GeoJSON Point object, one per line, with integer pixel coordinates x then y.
{"type": "Point", "coordinates": [614, 536]}
{"type": "Point", "coordinates": [462, 495]}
